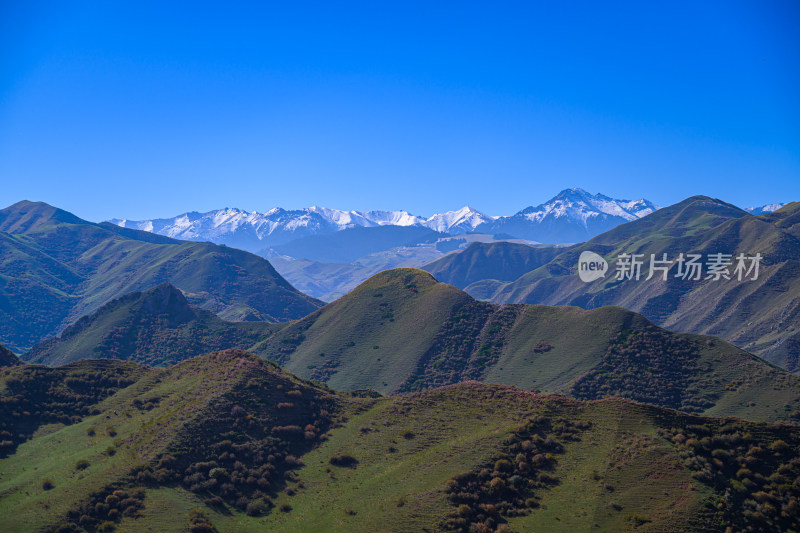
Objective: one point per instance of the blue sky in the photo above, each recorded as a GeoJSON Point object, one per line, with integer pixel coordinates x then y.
{"type": "Point", "coordinates": [142, 109]}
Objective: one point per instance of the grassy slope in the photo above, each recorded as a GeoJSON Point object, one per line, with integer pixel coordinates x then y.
{"type": "Point", "coordinates": [57, 268]}
{"type": "Point", "coordinates": [394, 327]}
{"type": "Point", "coordinates": [380, 312]}
{"type": "Point", "coordinates": [188, 396]}
{"type": "Point", "coordinates": [156, 327]}
{"type": "Point", "coordinates": [620, 465]}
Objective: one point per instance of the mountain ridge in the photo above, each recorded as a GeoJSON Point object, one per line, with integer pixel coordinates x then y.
{"type": "Point", "coordinates": [256, 231]}
{"type": "Point", "coordinates": [57, 267]}
{"type": "Point", "coordinates": [760, 315]}
{"type": "Point", "coordinates": [361, 341]}
{"type": "Point", "coordinates": [157, 327]}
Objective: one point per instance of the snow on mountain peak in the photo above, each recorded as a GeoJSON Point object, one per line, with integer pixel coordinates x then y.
{"type": "Point", "coordinates": [462, 220]}
{"type": "Point", "coordinates": [256, 231]}
{"type": "Point", "coordinates": [769, 208]}
{"type": "Point", "coordinates": [580, 205]}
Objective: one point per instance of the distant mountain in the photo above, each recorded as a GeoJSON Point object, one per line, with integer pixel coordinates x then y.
{"type": "Point", "coordinates": [258, 231]}
{"type": "Point", "coordinates": [464, 220]}
{"type": "Point", "coordinates": [156, 327]}
{"type": "Point", "coordinates": [403, 331]}
{"type": "Point", "coordinates": [502, 261]}
{"type": "Point", "coordinates": [769, 208]}
{"type": "Point", "coordinates": [351, 244]}
{"type": "Point", "coordinates": [229, 442]}
{"type": "Point", "coordinates": [56, 268]}
{"type": "Point", "coordinates": [7, 357]}
{"type": "Point", "coordinates": [574, 215]}
{"type": "Point", "coordinates": [761, 316]}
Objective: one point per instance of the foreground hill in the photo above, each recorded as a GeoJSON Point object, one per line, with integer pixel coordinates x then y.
{"type": "Point", "coordinates": [229, 442]}
{"type": "Point", "coordinates": [761, 316]}
{"type": "Point", "coordinates": [56, 268]}
{"type": "Point", "coordinates": [157, 327]}
{"type": "Point", "coordinates": [403, 331]}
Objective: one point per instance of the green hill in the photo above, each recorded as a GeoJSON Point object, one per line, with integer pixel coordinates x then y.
{"type": "Point", "coordinates": [761, 316]}
{"type": "Point", "coordinates": [157, 327]}
{"type": "Point", "coordinates": [402, 331]}
{"type": "Point", "coordinates": [228, 442]}
{"type": "Point", "coordinates": [7, 357]}
{"type": "Point", "coordinates": [55, 268]}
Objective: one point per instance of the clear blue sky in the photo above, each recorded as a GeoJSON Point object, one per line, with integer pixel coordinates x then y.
{"type": "Point", "coordinates": [146, 109]}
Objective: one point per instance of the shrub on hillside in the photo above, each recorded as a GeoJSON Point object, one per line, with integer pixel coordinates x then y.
{"type": "Point", "coordinates": [344, 460]}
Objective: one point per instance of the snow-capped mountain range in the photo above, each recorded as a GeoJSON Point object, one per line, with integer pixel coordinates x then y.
{"type": "Point", "coordinates": [769, 208]}
{"type": "Point", "coordinates": [573, 215]}
{"type": "Point", "coordinates": [257, 231]}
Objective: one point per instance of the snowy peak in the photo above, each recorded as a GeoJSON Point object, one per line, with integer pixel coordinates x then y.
{"type": "Point", "coordinates": [464, 220]}
{"type": "Point", "coordinates": [580, 206]}
{"type": "Point", "coordinates": [579, 215]}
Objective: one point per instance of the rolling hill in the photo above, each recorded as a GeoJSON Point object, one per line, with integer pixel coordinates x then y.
{"type": "Point", "coordinates": [228, 442]}
{"type": "Point", "coordinates": [761, 316]}
{"type": "Point", "coordinates": [156, 327]}
{"type": "Point", "coordinates": [402, 331]}
{"type": "Point", "coordinates": [55, 268]}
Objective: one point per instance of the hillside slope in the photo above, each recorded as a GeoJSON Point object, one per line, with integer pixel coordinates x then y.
{"type": "Point", "coordinates": [228, 442]}
{"type": "Point", "coordinates": [402, 331]}
{"type": "Point", "coordinates": [56, 268]}
{"type": "Point", "coordinates": [761, 316]}
{"type": "Point", "coordinates": [156, 327]}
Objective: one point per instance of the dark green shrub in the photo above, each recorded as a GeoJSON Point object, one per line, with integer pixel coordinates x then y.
{"type": "Point", "coordinates": [344, 460]}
